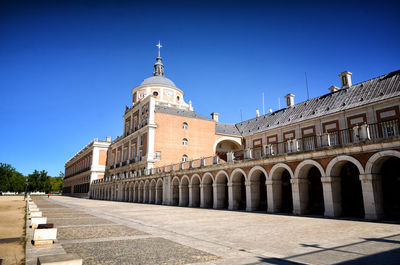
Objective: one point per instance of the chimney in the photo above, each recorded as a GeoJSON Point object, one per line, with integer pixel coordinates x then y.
{"type": "Point", "coordinates": [108, 138]}
{"type": "Point", "coordinates": [214, 116]}
{"type": "Point", "coordinates": [333, 89]}
{"type": "Point", "coordinates": [346, 79]}
{"type": "Point", "coordinates": [257, 113]}
{"type": "Point", "coordinates": [289, 100]}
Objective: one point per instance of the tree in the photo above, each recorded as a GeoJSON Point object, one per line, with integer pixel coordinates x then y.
{"type": "Point", "coordinates": [10, 179]}
{"type": "Point", "coordinates": [57, 182]}
{"type": "Point", "coordinates": [39, 181]}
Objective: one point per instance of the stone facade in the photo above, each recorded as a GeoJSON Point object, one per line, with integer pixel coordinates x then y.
{"type": "Point", "coordinates": [334, 155]}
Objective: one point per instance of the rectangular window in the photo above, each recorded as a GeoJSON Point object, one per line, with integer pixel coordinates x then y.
{"type": "Point", "coordinates": [158, 155]}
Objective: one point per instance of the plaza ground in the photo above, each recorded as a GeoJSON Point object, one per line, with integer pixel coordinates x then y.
{"type": "Point", "coordinates": [109, 232]}
{"type": "Point", "coordinates": [12, 220]}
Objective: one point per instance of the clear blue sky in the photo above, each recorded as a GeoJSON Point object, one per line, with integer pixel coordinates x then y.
{"type": "Point", "coordinates": [67, 67]}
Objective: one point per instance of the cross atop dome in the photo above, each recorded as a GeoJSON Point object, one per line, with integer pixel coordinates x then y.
{"type": "Point", "coordinates": [159, 48]}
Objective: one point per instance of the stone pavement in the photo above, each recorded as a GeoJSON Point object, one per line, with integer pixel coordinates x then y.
{"type": "Point", "coordinates": [108, 232]}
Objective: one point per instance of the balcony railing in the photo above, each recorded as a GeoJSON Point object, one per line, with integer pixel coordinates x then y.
{"type": "Point", "coordinates": [363, 134]}
{"type": "Point", "coordinates": [77, 173]}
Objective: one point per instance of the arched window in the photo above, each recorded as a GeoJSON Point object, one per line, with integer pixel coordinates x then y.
{"type": "Point", "coordinates": [177, 98]}
{"type": "Point", "coordinates": [184, 158]}
{"type": "Point", "coordinates": [185, 126]}
{"type": "Point", "coordinates": [184, 142]}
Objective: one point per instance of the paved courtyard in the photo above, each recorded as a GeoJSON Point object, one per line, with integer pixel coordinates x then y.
{"type": "Point", "coordinates": [108, 232]}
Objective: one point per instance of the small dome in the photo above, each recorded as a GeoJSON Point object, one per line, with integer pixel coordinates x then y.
{"type": "Point", "coordinates": [158, 80]}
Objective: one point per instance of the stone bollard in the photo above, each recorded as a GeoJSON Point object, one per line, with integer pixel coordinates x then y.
{"type": "Point", "coordinates": [36, 214]}
{"type": "Point", "coordinates": [44, 236]}
{"type": "Point", "coordinates": [35, 221]}
{"type": "Point", "coordinates": [61, 259]}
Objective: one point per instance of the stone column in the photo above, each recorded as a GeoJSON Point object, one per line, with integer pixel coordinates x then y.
{"type": "Point", "coordinates": [372, 196]}
{"type": "Point", "coordinates": [166, 191]}
{"type": "Point", "coordinates": [274, 195]}
{"type": "Point", "coordinates": [300, 195]}
{"type": "Point", "coordinates": [190, 195]}
{"type": "Point", "coordinates": [202, 199]}
{"type": "Point", "coordinates": [332, 196]}
{"type": "Point", "coordinates": [252, 195]}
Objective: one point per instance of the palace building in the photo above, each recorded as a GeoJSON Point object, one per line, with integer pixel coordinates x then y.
{"type": "Point", "coordinates": [333, 155]}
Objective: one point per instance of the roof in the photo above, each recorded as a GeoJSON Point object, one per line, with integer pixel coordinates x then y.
{"type": "Point", "coordinates": [180, 112]}
{"type": "Point", "coordinates": [158, 80]}
{"type": "Point", "coordinates": [371, 91]}
{"type": "Point", "coordinates": [227, 129]}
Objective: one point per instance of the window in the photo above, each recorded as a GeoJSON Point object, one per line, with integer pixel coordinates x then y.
{"type": "Point", "coordinates": [133, 148]}
{"type": "Point", "coordinates": [177, 98]}
{"type": "Point", "coordinates": [184, 142]}
{"type": "Point", "coordinates": [184, 158]}
{"type": "Point", "coordinates": [158, 155]}
{"type": "Point", "coordinates": [185, 126]}
{"type": "Point", "coordinates": [155, 93]}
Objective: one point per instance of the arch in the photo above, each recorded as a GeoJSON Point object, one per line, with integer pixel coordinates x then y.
{"type": "Point", "coordinates": [197, 179]}
{"type": "Point", "coordinates": [136, 191]}
{"type": "Point", "coordinates": [236, 173]}
{"type": "Point", "coordinates": [305, 165]}
{"type": "Point", "coordinates": [206, 191]}
{"type": "Point", "coordinates": [194, 192]}
{"type": "Point", "coordinates": [141, 191]}
{"type": "Point", "coordinates": [220, 190]}
{"type": "Point", "coordinates": [308, 196]}
{"type": "Point", "coordinates": [159, 191]}
{"type": "Point", "coordinates": [184, 191]}
{"type": "Point", "coordinates": [230, 139]}
{"type": "Point", "coordinates": [257, 193]}
{"type": "Point", "coordinates": [146, 194]}
{"type": "Point", "coordinates": [254, 169]}
{"type": "Point", "coordinates": [152, 196]}
{"type": "Point", "coordinates": [277, 169]}
{"type": "Point", "coordinates": [175, 191]}
{"type": "Point", "coordinates": [376, 161]}
{"type": "Point", "coordinates": [207, 178]}
{"type": "Point", "coordinates": [334, 166]}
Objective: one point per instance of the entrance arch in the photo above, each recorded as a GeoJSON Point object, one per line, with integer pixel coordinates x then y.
{"type": "Point", "coordinates": [237, 190]}
{"type": "Point", "coordinates": [141, 189]}
{"type": "Point", "coordinates": [280, 197]}
{"type": "Point", "coordinates": [258, 190]}
{"type": "Point", "coordinates": [206, 191]}
{"type": "Point", "coordinates": [136, 192]}
{"type": "Point", "coordinates": [195, 191]}
{"type": "Point", "coordinates": [184, 191]}
{"type": "Point", "coordinates": [310, 196]}
{"type": "Point", "coordinates": [383, 167]}
{"type": "Point", "coordinates": [175, 191]}
{"type": "Point", "coordinates": [221, 190]}
{"type": "Point", "coordinates": [146, 191]}
{"type": "Point", "coordinates": [226, 144]}
{"type": "Point", "coordinates": [152, 191]}
{"type": "Point", "coordinates": [159, 192]}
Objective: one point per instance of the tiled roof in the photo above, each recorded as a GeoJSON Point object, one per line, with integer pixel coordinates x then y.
{"type": "Point", "coordinates": [180, 112]}
{"type": "Point", "coordinates": [374, 90]}
{"type": "Point", "coordinates": [227, 129]}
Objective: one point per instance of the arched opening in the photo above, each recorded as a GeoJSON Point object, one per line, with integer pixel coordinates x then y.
{"type": "Point", "coordinates": [287, 196]}
{"type": "Point", "coordinates": [258, 191]}
{"type": "Point", "coordinates": [351, 191]}
{"type": "Point", "coordinates": [207, 193]}
{"type": "Point", "coordinates": [152, 198]}
{"type": "Point", "coordinates": [136, 192]}
{"type": "Point", "coordinates": [184, 192]}
{"type": "Point", "coordinates": [195, 191]}
{"type": "Point", "coordinates": [159, 192]}
{"type": "Point", "coordinates": [390, 176]}
{"type": "Point", "coordinates": [221, 192]}
{"type": "Point", "coordinates": [146, 192]}
{"type": "Point", "coordinates": [238, 191]}
{"type": "Point", "coordinates": [175, 191]}
{"type": "Point", "coordinates": [315, 192]}
{"type": "Point", "coordinates": [226, 146]}
{"type": "Point", "coordinates": [140, 195]}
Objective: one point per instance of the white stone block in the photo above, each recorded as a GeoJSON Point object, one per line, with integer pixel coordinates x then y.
{"type": "Point", "coordinates": [35, 221]}
{"type": "Point", "coordinates": [34, 210]}
{"type": "Point", "coordinates": [45, 234]}
{"type": "Point", "coordinates": [36, 214]}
